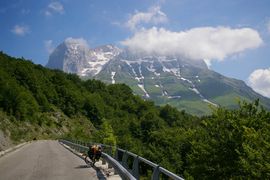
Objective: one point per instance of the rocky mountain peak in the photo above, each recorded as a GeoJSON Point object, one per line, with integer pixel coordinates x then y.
{"type": "Point", "coordinates": [108, 48]}
{"type": "Point", "coordinates": [74, 56]}
{"type": "Point", "coordinates": [71, 43]}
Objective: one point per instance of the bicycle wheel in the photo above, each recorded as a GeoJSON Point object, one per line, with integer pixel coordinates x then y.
{"type": "Point", "coordinates": [88, 161]}
{"type": "Point", "coordinates": [94, 161]}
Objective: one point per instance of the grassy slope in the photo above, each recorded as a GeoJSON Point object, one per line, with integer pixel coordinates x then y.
{"type": "Point", "coordinates": [51, 126]}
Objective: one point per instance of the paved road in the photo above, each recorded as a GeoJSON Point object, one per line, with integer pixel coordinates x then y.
{"type": "Point", "coordinates": [42, 160]}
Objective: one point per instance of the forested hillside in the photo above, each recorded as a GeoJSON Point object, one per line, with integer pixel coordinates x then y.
{"type": "Point", "coordinates": [38, 103]}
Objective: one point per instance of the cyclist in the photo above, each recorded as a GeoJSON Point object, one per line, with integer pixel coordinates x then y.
{"type": "Point", "coordinates": [94, 153]}
{"type": "Point", "coordinates": [98, 153]}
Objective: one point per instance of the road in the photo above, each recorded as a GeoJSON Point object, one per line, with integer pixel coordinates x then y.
{"type": "Point", "coordinates": [45, 160]}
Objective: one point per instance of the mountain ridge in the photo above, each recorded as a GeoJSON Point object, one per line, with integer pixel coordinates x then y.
{"type": "Point", "coordinates": [183, 83]}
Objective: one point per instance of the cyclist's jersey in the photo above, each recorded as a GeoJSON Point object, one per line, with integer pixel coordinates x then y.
{"type": "Point", "coordinates": [94, 151]}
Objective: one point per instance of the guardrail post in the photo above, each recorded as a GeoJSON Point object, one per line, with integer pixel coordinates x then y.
{"type": "Point", "coordinates": [116, 154]}
{"type": "Point", "coordinates": [135, 168]}
{"type": "Point", "coordinates": [155, 175]}
{"type": "Point", "coordinates": [116, 158]}
{"type": "Point", "coordinates": [124, 160]}
{"type": "Point", "coordinates": [110, 153]}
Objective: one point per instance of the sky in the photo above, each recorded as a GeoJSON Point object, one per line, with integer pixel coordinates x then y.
{"type": "Point", "coordinates": [232, 36]}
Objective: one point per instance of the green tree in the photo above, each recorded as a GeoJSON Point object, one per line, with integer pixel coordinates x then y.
{"type": "Point", "coordinates": [26, 106]}
{"type": "Point", "coordinates": [94, 108]}
{"type": "Point", "coordinates": [106, 134]}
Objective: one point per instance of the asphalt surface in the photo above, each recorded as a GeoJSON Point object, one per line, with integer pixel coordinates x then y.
{"type": "Point", "coordinates": [45, 160]}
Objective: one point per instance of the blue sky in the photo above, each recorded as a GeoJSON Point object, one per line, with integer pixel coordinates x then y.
{"type": "Point", "coordinates": [33, 28]}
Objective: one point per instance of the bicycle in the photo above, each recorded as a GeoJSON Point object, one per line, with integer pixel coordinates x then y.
{"type": "Point", "coordinates": [90, 161]}
{"type": "Point", "coordinates": [87, 160]}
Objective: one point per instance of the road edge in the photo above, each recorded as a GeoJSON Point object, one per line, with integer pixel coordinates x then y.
{"type": "Point", "coordinates": [9, 150]}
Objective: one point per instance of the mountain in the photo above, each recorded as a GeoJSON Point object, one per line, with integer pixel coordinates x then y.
{"type": "Point", "coordinates": [183, 83]}
{"type": "Point", "coordinates": [74, 57]}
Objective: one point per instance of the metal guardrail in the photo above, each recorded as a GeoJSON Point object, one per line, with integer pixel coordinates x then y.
{"type": "Point", "coordinates": [124, 174]}
{"type": "Point", "coordinates": [122, 164]}
{"type": "Point", "coordinates": [157, 170]}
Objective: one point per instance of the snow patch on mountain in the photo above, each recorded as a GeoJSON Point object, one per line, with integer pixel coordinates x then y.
{"type": "Point", "coordinates": [132, 69]}
{"type": "Point", "coordinates": [157, 74]}
{"type": "Point", "coordinates": [190, 82]}
{"type": "Point", "coordinates": [195, 90]}
{"type": "Point", "coordinates": [164, 93]}
{"type": "Point", "coordinates": [209, 102]}
{"type": "Point", "coordinates": [140, 71]}
{"type": "Point", "coordinates": [158, 65]}
{"type": "Point", "coordinates": [141, 86]}
{"type": "Point", "coordinates": [112, 77]}
{"type": "Point", "coordinates": [164, 69]}
{"type": "Point", "coordinates": [176, 72]}
{"type": "Point", "coordinates": [197, 77]}
{"type": "Point", "coordinates": [174, 97]}
{"type": "Point", "coordinates": [94, 67]}
{"type": "Point", "coordinates": [151, 68]}
{"type": "Point", "coordinates": [138, 76]}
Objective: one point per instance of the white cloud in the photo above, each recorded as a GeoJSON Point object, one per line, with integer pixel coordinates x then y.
{"type": "Point", "coordinates": [259, 80]}
{"type": "Point", "coordinates": [78, 41]}
{"type": "Point", "coordinates": [211, 43]}
{"type": "Point", "coordinates": [54, 7]}
{"type": "Point", "coordinates": [20, 30]}
{"type": "Point", "coordinates": [154, 16]}
{"type": "Point", "coordinates": [49, 46]}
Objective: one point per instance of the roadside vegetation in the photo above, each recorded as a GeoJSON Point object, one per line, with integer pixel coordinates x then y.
{"type": "Point", "coordinates": [38, 103]}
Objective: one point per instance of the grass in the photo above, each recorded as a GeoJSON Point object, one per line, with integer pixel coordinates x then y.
{"type": "Point", "coordinates": [230, 100]}
{"type": "Point", "coordinates": [197, 107]}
